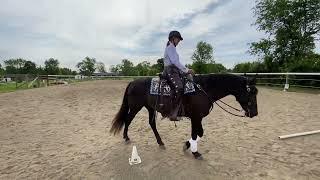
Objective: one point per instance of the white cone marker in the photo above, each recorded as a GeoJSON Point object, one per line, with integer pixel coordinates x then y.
{"type": "Point", "coordinates": [135, 159]}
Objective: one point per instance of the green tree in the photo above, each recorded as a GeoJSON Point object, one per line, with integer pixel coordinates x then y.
{"type": "Point", "coordinates": [215, 68]}
{"type": "Point", "coordinates": [29, 68]}
{"type": "Point", "coordinates": [310, 64]}
{"type": "Point", "coordinates": [115, 68]}
{"type": "Point", "coordinates": [87, 66]}
{"type": "Point", "coordinates": [67, 71]}
{"type": "Point", "coordinates": [250, 67]}
{"type": "Point", "coordinates": [100, 67]}
{"type": "Point", "coordinates": [202, 56]}
{"type": "Point", "coordinates": [159, 66]}
{"type": "Point", "coordinates": [1, 71]}
{"type": "Point", "coordinates": [203, 53]}
{"type": "Point", "coordinates": [153, 72]}
{"type": "Point", "coordinates": [51, 66]}
{"type": "Point", "coordinates": [41, 70]}
{"type": "Point", "coordinates": [143, 68]}
{"type": "Point", "coordinates": [242, 67]}
{"type": "Point", "coordinates": [291, 26]}
{"type": "Point", "coordinates": [14, 66]}
{"type": "Point", "coordinates": [127, 68]}
{"type": "Point", "coordinates": [199, 67]}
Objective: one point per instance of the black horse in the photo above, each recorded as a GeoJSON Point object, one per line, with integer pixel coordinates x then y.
{"type": "Point", "coordinates": [196, 106]}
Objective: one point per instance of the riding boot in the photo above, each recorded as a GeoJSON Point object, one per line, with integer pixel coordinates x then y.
{"type": "Point", "coordinates": [177, 104]}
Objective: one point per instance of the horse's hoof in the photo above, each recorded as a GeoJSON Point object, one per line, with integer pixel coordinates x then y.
{"type": "Point", "coordinates": [160, 143]}
{"type": "Point", "coordinates": [186, 146]}
{"type": "Point", "coordinates": [163, 147]}
{"type": "Point", "coordinates": [127, 141]}
{"type": "Point", "coordinates": [197, 156]}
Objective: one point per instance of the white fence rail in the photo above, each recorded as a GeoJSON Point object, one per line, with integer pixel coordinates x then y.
{"type": "Point", "coordinates": [294, 79]}
{"type": "Point", "coordinates": [288, 73]}
{"type": "Point", "coordinates": [285, 80]}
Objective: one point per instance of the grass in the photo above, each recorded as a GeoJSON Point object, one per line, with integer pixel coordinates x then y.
{"type": "Point", "coordinates": [11, 86]}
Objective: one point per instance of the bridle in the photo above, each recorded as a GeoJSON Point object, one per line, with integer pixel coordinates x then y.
{"type": "Point", "coordinates": [212, 102]}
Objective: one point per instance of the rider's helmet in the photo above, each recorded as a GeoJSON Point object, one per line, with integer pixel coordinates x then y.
{"type": "Point", "coordinates": [175, 34]}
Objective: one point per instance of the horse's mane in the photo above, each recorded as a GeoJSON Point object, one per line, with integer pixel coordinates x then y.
{"type": "Point", "coordinates": [209, 81]}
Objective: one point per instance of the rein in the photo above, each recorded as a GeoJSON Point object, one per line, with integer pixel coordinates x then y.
{"type": "Point", "coordinates": [211, 101]}
{"type": "Point", "coordinates": [239, 110]}
{"type": "Point", "coordinates": [229, 111]}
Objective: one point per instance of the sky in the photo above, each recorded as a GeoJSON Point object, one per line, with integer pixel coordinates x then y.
{"type": "Point", "coordinates": [113, 30]}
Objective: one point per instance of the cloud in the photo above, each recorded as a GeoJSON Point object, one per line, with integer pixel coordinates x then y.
{"type": "Point", "coordinates": [116, 29]}
{"type": "Point", "coordinates": [228, 28]}
{"type": "Point", "coordinates": [69, 30]}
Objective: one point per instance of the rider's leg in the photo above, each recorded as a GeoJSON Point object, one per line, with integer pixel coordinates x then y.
{"type": "Point", "coordinates": [178, 87]}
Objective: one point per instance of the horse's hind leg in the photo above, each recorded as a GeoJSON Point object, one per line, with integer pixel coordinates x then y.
{"type": "Point", "coordinates": [152, 122]}
{"type": "Point", "coordinates": [132, 113]}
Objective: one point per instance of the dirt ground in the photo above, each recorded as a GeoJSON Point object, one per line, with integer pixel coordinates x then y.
{"type": "Point", "coordinates": [62, 132]}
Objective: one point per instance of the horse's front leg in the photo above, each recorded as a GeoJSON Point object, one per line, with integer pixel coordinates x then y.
{"type": "Point", "coordinates": [152, 122]}
{"type": "Point", "coordinates": [196, 134]}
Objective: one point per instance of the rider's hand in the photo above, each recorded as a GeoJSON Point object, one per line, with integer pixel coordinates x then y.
{"type": "Point", "coordinates": [190, 71]}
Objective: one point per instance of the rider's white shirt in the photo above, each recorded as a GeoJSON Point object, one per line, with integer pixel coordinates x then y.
{"type": "Point", "coordinates": [171, 57]}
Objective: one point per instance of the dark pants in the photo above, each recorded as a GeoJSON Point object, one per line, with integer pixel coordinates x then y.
{"type": "Point", "coordinates": [174, 76]}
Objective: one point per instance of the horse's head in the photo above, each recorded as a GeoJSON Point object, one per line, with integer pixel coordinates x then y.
{"type": "Point", "coordinates": [247, 97]}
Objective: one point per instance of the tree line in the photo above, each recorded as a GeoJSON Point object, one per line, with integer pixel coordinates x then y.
{"type": "Point", "coordinates": [22, 66]}
{"type": "Point", "coordinates": [291, 28]}
{"type": "Point", "coordinates": [202, 63]}
{"type": "Point", "coordinates": [51, 66]}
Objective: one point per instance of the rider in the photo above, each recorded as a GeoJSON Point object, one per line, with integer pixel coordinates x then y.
{"type": "Point", "coordinates": [173, 69]}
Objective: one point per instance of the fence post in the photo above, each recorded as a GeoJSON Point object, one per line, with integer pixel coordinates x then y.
{"type": "Point", "coordinates": [47, 77]}
{"type": "Point", "coordinates": [286, 85]}
{"type": "Point", "coordinates": [38, 81]}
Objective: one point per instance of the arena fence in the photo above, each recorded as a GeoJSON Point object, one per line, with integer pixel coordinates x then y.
{"type": "Point", "coordinates": [285, 80]}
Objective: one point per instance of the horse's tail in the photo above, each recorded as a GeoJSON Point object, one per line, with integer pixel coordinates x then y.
{"type": "Point", "coordinates": [121, 116]}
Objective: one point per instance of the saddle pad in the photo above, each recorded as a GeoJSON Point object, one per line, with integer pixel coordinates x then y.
{"type": "Point", "coordinates": [188, 87]}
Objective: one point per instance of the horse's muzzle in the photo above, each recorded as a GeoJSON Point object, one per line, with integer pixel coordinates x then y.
{"type": "Point", "coordinates": [251, 114]}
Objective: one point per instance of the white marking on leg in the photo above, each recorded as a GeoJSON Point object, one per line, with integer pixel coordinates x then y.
{"type": "Point", "coordinates": [198, 138]}
{"type": "Point", "coordinates": [193, 145]}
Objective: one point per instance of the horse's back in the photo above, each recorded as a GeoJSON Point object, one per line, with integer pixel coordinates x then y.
{"type": "Point", "coordinates": [139, 86]}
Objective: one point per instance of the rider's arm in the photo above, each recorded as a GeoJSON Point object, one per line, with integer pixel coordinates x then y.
{"type": "Point", "coordinates": [174, 58]}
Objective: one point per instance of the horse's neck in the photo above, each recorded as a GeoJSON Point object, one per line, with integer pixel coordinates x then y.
{"type": "Point", "coordinates": [217, 94]}
{"type": "Point", "coordinates": [222, 88]}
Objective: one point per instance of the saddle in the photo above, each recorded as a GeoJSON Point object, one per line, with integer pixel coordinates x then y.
{"type": "Point", "coordinates": [165, 88]}
{"type": "Point", "coordinates": [165, 93]}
